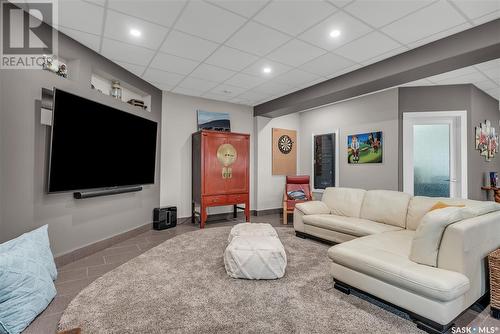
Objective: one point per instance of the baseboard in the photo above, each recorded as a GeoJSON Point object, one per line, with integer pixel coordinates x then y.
{"type": "Point", "coordinates": [98, 246]}
{"type": "Point", "coordinates": [268, 212]}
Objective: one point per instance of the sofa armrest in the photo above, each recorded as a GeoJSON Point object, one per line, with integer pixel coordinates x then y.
{"type": "Point", "coordinates": [464, 248]}
{"type": "Point", "coordinates": [313, 208]}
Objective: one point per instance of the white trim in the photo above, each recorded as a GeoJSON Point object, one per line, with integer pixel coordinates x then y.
{"type": "Point", "coordinates": [433, 117]}
{"type": "Point", "coordinates": [337, 173]}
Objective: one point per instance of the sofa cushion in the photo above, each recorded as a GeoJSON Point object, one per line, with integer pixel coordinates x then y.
{"type": "Point", "coordinates": [428, 236]}
{"type": "Point", "coordinates": [312, 207]}
{"type": "Point", "coordinates": [348, 225]}
{"type": "Point", "coordinates": [344, 201]}
{"type": "Point", "coordinates": [384, 257]}
{"type": "Point", "coordinates": [420, 205]}
{"type": "Point", "coordinates": [386, 206]}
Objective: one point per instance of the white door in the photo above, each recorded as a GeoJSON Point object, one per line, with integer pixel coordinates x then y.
{"type": "Point", "coordinates": [435, 154]}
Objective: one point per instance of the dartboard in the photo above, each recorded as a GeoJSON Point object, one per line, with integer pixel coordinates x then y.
{"type": "Point", "coordinates": [285, 144]}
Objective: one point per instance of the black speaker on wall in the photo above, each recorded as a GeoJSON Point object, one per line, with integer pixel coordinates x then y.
{"type": "Point", "coordinates": [164, 217]}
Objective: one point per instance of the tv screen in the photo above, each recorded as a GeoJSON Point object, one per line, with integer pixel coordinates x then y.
{"type": "Point", "coordinates": [96, 146]}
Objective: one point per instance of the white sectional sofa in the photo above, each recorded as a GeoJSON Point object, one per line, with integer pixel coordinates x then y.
{"type": "Point", "coordinates": [431, 265]}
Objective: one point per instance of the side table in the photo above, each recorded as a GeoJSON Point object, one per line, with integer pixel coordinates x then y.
{"type": "Point", "coordinates": [496, 192]}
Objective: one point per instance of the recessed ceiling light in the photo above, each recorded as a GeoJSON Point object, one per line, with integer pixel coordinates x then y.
{"type": "Point", "coordinates": [135, 32]}
{"type": "Point", "coordinates": [267, 70]}
{"type": "Point", "coordinates": [335, 33]}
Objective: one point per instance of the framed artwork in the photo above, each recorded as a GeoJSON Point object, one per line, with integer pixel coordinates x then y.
{"type": "Point", "coordinates": [486, 140]}
{"type": "Point", "coordinates": [217, 121]}
{"type": "Point", "coordinates": [284, 152]}
{"type": "Point", "coordinates": [365, 148]}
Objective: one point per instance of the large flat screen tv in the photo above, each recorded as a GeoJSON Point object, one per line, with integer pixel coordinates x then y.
{"type": "Point", "coordinates": [95, 146]}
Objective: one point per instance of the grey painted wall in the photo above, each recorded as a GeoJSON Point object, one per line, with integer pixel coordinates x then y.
{"type": "Point", "coordinates": [23, 151]}
{"type": "Point", "coordinates": [479, 106]}
{"type": "Point", "coordinates": [374, 112]}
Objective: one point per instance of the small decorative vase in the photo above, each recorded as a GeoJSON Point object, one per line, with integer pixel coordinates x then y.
{"type": "Point", "coordinates": [116, 90]}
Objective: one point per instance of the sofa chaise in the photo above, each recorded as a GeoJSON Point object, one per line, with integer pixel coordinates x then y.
{"type": "Point", "coordinates": [390, 245]}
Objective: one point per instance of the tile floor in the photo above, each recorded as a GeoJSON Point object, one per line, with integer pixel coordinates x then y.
{"type": "Point", "coordinates": [75, 276]}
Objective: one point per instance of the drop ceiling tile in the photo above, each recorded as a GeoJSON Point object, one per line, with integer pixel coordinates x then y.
{"type": "Point", "coordinates": [97, 2]}
{"type": "Point", "coordinates": [349, 27]}
{"type": "Point", "coordinates": [296, 78]}
{"type": "Point", "coordinates": [495, 93]}
{"type": "Point", "coordinates": [340, 3]}
{"type": "Point", "coordinates": [477, 8]}
{"type": "Point", "coordinates": [271, 88]}
{"type": "Point", "coordinates": [257, 39]}
{"type": "Point", "coordinates": [227, 90]}
{"type": "Point", "coordinates": [163, 77]}
{"type": "Point", "coordinates": [136, 69]}
{"type": "Point", "coordinates": [118, 27]}
{"type": "Point", "coordinates": [216, 97]}
{"type": "Point", "coordinates": [425, 22]}
{"type": "Point", "coordinates": [366, 47]}
{"type": "Point", "coordinates": [344, 71]}
{"type": "Point", "coordinates": [385, 55]}
{"type": "Point", "coordinates": [212, 73]}
{"type": "Point", "coordinates": [452, 74]}
{"type": "Point", "coordinates": [252, 96]}
{"type": "Point", "coordinates": [327, 64]}
{"type": "Point", "coordinates": [187, 46]}
{"type": "Point", "coordinates": [160, 12]}
{"type": "Point", "coordinates": [276, 69]}
{"type": "Point", "coordinates": [487, 18]}
{"type": "Point", "coordinates": [293, 17]}
{"type": "Point", "coordinates": [231, 58]}
{"type": "Point", "coordinates": [468, 78]}
{"type": "Point", "coordinates": [81, 16]}
{"type": "Point", "coordinates": [186, 91]}
{"type": "Point", "coordinates": [381, 12]}
{"type": "Point", "coordinates": [245, 80]}
{"type": "Point", "coordinates": [89, 40]}
{"type": "Point", "coordinates": [295, 53]}
{"type": "Point", "coordinates": [488, 65]}
{"type": "Point", "coordinates": [439, 35]}
{"type": "Point", "coordinates": [208, 21]}
{"type": "Point", "coordinates": [112, 49]}
{"type": "Point", "coordinates": [246, 8]}
{"type": "Point", "coordinates": [173, 64]}
{"type": "Point", "coordinates": [486, 85]}
{"type": "Point", "coordinates": [163, 87]}
{"type": "Point", "coordinates": [197, 84]}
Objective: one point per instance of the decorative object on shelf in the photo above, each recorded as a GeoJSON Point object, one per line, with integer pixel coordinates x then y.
{"type": "Point", "coordinates": [496, 192]}
{"type": "Point", "coordinates": [365, 148]}
{"type": "Point", "coordinates": [116, 90]}
{"type": "Point", "coordinates": [137, 103]}
{"type": "Point", "coordinates": [493, 179]}
{"type": "Point", "coordinates": [486, 140]}
{"type": "Point", "coordinates": [53, 65]}
{"type": "Point", "coordinates": [284, 152]}
{"type": "Point", "coordinates": [494, 266]}
{"type": "Point", "coordinates": [216, 121]}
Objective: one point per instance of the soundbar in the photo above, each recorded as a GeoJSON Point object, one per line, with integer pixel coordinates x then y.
{"type": "Point", "coordinates": [105, 192]}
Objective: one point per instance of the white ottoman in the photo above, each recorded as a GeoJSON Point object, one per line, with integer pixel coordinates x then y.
{"type": "Point", "coordinates": [252, 229]}
{"type": "Point", "coordinates": [255, 257]}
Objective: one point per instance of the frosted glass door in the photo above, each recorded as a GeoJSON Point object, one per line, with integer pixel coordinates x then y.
{"type": "Point", "coordinates": [431, 160]}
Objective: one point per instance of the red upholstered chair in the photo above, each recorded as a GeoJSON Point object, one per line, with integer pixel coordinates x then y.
{"type": "Point", "coordinates": [299, 182]}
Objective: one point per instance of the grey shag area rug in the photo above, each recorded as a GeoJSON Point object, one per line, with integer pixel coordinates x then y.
{"type": "Point", "coordinates": [181, 286]}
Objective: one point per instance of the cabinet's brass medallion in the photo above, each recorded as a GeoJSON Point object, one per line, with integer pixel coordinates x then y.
{"type": "Point", "coordinates": [226, 154]}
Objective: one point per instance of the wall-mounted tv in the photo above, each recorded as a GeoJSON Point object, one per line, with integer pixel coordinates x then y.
{"type": "Point", "coordinates": [95, 146]}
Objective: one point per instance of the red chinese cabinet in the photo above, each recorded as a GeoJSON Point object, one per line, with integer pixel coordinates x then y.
{"type": "Point", "coordinates": [220, 172]}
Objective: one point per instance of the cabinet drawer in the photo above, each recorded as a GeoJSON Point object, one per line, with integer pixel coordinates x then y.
{"type": "Point", "coordinates": [215, 200]}
{"type": "Point", "coordinates": [237, 199]}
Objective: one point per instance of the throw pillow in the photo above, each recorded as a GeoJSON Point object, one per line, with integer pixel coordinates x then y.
{"type": "Point", "coordinates": [297, 195]}
{"type": "Point", "coordinates": [38, 242]}
{"type": "Point", "coordinates": [442, 205]}
{"type": "Point", "coordinates": [26, 287]}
